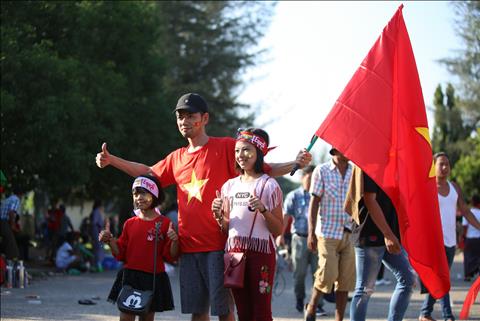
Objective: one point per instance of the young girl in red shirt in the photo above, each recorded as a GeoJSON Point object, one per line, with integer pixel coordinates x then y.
{"type": "Point", "coordinates": [135, 247]}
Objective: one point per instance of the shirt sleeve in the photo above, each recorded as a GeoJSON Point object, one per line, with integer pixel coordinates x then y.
{"type": "Point", "coordinates": [122, 242]}
{"type": "Point", "coordinates": [369, 185]}
{"type": "Point", "coordinates": [273, 194]}
{"type": "Point", "coordinates": [13, 204]}
{"type": "Point", "coordinates": [163, 170]}
{"type": "Point", "coordinates": [288, 208]}
{"type": "Point", "coordinates": [317, 187]}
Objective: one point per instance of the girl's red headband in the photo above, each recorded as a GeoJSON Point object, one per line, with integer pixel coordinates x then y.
{"type": "Point", "coordinates": [255, 140]}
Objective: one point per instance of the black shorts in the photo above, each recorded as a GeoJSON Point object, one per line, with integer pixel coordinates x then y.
{"type": "Point", "coordinates": [162, 299]}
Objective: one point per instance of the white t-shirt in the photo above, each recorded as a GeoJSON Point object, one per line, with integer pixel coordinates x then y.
{"type": "Point", "coordinates": [241, 217]}
{"type": "Point", "coordinates": [64, 257]}
{"type": "Point", "coordinates": [448, 214]}
{"type": "Point", "coordinates": [472, 231]}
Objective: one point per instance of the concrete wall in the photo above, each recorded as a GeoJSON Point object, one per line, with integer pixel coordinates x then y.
{"type": "Point", "coordinates": [78, 212]}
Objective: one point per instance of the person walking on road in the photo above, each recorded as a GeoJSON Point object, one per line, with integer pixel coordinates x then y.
{"type": "Point", "coordinates": [471, 252]}
{"type": "Point", "coordinates": [379, 242]}
{"type": "Point", "coordinates": [296, 206]}
{"type": "Point", "coordinates": [331, 237]}
{"type": "Point", "coordinates": [451, 202]}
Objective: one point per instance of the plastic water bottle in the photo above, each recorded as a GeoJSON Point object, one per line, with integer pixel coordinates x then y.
{"type": "Point", "coordinates": [14, 274]}
{"type": "Point", "coordinates": [21, 275]}
{"type": "Point", "coordinates": [9, 277]}
{"type": "Point", "coordinates": [26, 283]}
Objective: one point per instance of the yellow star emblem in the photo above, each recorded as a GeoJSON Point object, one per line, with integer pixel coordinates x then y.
{"type": "Point", "coordinates": [194, 187]}
{"type": "Point", "coordinates": [424, 132]}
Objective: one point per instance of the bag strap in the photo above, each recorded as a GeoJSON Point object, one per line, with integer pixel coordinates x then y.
{"type": "Point", "coordinates": [157, 229]}
{"type": "Point", "coordinates": [256, 212]}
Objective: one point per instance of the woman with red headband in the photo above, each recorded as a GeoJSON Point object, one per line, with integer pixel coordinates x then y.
{"type": "Point", "coordinates": [249, 209]}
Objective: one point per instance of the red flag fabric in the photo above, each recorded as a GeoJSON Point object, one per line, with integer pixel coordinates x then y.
{"type": "Point", "coordinates": [379, 122]}
{"type": "Point", "coordinates": [470, 300]}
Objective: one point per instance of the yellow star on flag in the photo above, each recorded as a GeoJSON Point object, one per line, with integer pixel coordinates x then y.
{"type": "Point", "coordinates": [194, 187]}
{"type": "Point", "coordinates": [424, 132]}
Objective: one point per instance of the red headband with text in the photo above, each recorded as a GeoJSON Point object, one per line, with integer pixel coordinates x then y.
{"type": "Point", "coordinates": [255, 140]}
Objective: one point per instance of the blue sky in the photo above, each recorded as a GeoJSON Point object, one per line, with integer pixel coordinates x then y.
{"type": "Point", "coordinates": [314, 49]}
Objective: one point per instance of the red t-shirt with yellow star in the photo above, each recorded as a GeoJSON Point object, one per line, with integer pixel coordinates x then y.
{"type": "Point", "coordinates": [197, 176]}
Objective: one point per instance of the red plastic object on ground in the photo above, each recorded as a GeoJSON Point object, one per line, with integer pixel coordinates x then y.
{"type": "Point", "coordinates": [470, 299]}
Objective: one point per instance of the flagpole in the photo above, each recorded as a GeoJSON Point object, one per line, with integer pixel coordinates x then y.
{"type": "Point", "coordinates": [312, 142]}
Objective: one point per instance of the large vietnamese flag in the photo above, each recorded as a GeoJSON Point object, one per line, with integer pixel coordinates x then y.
{"type": "Point", "coordinates": [379, 122]}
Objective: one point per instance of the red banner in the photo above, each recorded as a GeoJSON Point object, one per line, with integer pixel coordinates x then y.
{"type": "Point", "coordinates": [379, 122]}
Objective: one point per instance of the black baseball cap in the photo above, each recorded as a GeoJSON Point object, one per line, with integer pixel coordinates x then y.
{"type": "Point", "coordinates": [193, 103]}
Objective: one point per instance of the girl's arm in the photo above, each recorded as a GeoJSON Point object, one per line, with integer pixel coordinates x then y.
{"type": "Point", "coordinates": [221, 212]}
{"type": "Point", "coordinates": [279, 169]}
{"type": "Point", "coordinates": [391, 241]}
{"type": "Point", "coordinates": [173, 236]}
{"type": "Point", "coordinates": [106, 237]}
{"type": "Point", "coordinates": [273, 217]}
{"type": "Point", "coordinates": [114, 246]}
{"type": "Point", "coordinates": [464, 209]}
{"type": "Point", "coordinates": [274, 220]}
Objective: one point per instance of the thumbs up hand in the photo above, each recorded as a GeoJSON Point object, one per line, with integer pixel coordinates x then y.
{"type": "Point", "coordinates": [172, 235]}
{"type": "Point", "coordinates": [217, 205]}
{"type": "Point", "coordinates": [103, 158]}
{"type": "Point", "coordinates": [254, 203]}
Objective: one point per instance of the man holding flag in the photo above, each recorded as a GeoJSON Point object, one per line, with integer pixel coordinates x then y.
{"type": "Point", "coordinates": [383, 104]}
{"type": "Point", "coordinates": [379, 240]}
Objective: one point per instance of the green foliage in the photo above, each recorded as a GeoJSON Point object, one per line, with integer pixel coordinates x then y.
{"type": "Point", "coordinates": [466, 171]}
{"type": "Point", "coordinates": [466, 64]}
{"type": "Point", "coordinates": [457, 122]}
{"type": "Point", "coordinates": [79, 73]}
{"type": "Point", "coordinates": [210, 44]}
{"type": "Point", "coordinates": [449, 131]}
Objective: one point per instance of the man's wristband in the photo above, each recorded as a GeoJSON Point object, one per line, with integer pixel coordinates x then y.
{"type": "Point", "coordinates": [264, 210]}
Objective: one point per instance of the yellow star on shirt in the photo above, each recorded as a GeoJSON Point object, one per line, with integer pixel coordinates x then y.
{"type": "Point", "coordinates": [194, 187]}
{"type": "Point", "coordinates": [424, 132]}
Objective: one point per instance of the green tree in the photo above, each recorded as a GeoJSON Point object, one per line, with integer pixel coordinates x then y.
{"type": "Point", "coordinates": [466, 64]}
{"type": "Point", "coordinates": [449, 131]}
{"type": "Point", "coordinates": [439, 138]}
{"type": "Point", "coordinates": [72, 76]}
{"type": "Point", "coordinates": [467, 170]}
{"type": "Point", "coordinates": [76, 74]}
{"type": "Point", "coordinates": [210, 45]}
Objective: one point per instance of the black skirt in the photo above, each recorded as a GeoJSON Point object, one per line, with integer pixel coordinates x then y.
{"type": "Point", "coordinates": [162, 299]}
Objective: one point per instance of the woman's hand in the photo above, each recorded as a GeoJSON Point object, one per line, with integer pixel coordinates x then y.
{"type": "Point", "coordinates": [217, 206]}
{"type": "Point", "coordinates": [254, 203]}
{"type": "Point", "coordinates": [105, 236]}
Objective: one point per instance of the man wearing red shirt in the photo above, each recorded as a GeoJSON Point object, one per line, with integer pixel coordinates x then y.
{"type": "Point", "coordinates": [198, 170]}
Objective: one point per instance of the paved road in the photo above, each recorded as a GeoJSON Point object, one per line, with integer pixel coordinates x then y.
{"type": "Point", "coordinates": [59, 294]}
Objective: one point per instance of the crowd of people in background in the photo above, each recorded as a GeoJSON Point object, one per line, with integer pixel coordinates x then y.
{"type": "Point", "coordinates": [54, 239]}
{"type": "Point", "coordinates": [227, 202]}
